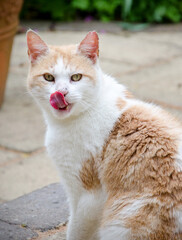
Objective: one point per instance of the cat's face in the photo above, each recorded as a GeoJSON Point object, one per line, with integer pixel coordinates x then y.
{"type": "Point", "coordinates": [64, 80]}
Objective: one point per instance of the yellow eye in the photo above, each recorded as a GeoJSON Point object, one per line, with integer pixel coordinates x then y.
{"type": "Point", "coordinates": [76, 77]}
{"type": "Point", "coordinates": [48, 77]}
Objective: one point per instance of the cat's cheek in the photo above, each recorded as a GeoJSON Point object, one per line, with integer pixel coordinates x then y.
{"type": "Point", "coordinates": [41, 96]}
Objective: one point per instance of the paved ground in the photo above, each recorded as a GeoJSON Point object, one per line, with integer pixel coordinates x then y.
{"type": "Point", "coordinates": [40, 214]}
{"type": "Point", "coordinates": [149, 63]}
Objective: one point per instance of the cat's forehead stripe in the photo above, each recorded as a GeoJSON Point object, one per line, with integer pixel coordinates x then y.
{"type": "Point", "coordinates": [61, 68]}
{"type": "Point", "coordinates": [70, 63]}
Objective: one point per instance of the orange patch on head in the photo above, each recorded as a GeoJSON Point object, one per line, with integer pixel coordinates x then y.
{"type": "Point", "coordinates": [120, 103]}
{"type": "Point", "coordinates": [89, 175]}
{"type": "Point", "coordinates": [73, 59]}
{"type": "Point", "coordinates": [70, 58]}
{"type": "Point", "coordinates": [35, 82]}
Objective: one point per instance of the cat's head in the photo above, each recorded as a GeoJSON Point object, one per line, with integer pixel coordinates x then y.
{"type": "Point", "coordinates": [65, 80]}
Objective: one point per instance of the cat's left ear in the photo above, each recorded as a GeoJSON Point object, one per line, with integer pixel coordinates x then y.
{"type": "Point", "coordinates": [89, 46]}
{"type": "Point", "coordinates": [36, 46]}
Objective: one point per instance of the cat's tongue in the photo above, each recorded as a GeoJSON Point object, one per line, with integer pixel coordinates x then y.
{"type": "Point", "coordinates": [58, 101]}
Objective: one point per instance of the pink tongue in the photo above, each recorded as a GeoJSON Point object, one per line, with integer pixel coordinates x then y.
{"type": "Point", "coordinates": [57, 100]}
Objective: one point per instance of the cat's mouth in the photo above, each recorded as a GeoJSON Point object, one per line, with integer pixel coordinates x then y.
{"type": "Point", "coordinates": [58, 102]}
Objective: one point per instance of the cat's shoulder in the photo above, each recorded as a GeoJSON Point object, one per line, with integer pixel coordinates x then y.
{"type": "Point", "coordinates": [142, 118]}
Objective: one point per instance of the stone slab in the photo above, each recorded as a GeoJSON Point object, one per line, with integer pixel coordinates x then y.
{"type": "Point", "coordinates": [59, 233]}
{"type": "Point", "coordinates": [27, 174]}
{"type": "Point", "coordinates": [161, 82]}
{"type": "Point", "coordinates": [56, 236]}
{"type": "Point", "coordinates": [115, 68]}
{"type": "Point", "coordinates": [168, 38]}
{"type": "Point", "coordinates": [22, 127]}
{"type": "Point", "coordinates": [15, 232]}
{"type": "Point", "coordinates": [7, 156]}
{"type": "Point", "coordinates": [134, 49]}
{"type": "Point", "coordinates": [42, 209]}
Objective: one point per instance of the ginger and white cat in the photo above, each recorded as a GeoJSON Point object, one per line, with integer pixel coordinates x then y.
{"type": "Point", "coordinates": [120, 159]}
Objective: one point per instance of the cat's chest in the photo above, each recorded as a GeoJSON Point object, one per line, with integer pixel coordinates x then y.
{"type": "Point", "coordinates": [69, 147]}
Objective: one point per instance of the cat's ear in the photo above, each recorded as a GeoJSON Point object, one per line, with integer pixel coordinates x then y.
{"type": "Point", "coordinates": [89, 46]}
{"type": "Point", "coordinates": [36, 46]}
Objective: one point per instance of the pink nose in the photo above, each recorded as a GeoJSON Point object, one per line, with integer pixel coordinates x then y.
{"type": "Point", "coordinates": [57, 100]}
{"type": "Point", "coordinates": [64, 91]}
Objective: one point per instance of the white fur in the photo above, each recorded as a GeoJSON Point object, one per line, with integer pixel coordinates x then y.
{"type": "Point", "coordinates": [178, 160]}
{"type": "Point", "coordinates": [115, 229]}
{"type": "Point", "coordinates": [85, 220]}
{"type": "Point", "coordinates": [178, 213]}
{"type": "Point", "coordinates": [178, 217]}
{"type": "Point", "coordinates": [113, 232]}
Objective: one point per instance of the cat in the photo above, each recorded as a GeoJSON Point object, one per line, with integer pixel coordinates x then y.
{"type": "Point", "coordinates": [119, 158]}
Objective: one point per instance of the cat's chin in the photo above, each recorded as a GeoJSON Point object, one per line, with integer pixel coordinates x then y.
{"type": "Point", "coordinates": [62, 113]}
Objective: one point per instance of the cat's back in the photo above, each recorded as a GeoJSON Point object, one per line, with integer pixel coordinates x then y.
{"type": "Point", "coordinates": [144, 151]}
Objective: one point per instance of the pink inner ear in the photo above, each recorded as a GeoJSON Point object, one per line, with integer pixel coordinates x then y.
{"type": "Point", "coordinates": [36, 46]}
{"type": "Point", "coordinates": [89, 46]}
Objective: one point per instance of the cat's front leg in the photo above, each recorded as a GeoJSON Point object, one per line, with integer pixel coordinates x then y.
{"type": "Point", "coordinates": [80, 228]}
{"type": "Point", "coordinates": [84, 220]}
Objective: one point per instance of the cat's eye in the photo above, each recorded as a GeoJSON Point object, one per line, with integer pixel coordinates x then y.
{"type": "Point", "coordinates": [48, 77]}
{"type": "Point", "coordinates": [76, 77]}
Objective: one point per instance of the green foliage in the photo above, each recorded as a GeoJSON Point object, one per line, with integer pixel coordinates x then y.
{"type": "Point", "coordinates": [155, 11]}
{"type": "Point", "coordinates": [133, 11]}
{"type": "Point", "coordinates": [81, 4]}
{"type": "Point", "coordinates": [48, 9]}
{"type": "Point", "coordinates": [106, 8]}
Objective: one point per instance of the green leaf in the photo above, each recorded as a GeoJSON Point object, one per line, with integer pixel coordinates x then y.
{"type": "Point", "coordinates": [105, 18]}
{"type": "Point", "coordinates": [127, 7]}
{"type": "Point", "coordinates": [81, 4]}
{"type": "Point", "coordinates": [159, 13]}
{"type": "Point", "coordinates": [173, 14]}
{"type": "Point", "coordinates": [106, 6]}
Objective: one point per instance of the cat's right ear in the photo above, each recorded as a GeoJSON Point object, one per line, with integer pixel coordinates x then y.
{"type": "Point", "coordinates": [89, 46]}
{"type": "Point", "coordinates": [36, 46]}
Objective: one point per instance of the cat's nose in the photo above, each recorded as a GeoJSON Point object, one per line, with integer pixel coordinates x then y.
{"type": "Point", "coordinates": [64, 91]}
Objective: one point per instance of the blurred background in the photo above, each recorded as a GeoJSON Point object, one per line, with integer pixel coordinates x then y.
{"type": "Point", "coordinates": [129, 14]}
{"type": "Point", "coordinates": [140, 45]}
{"type": "Point", "coordinates": [138, 11]}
